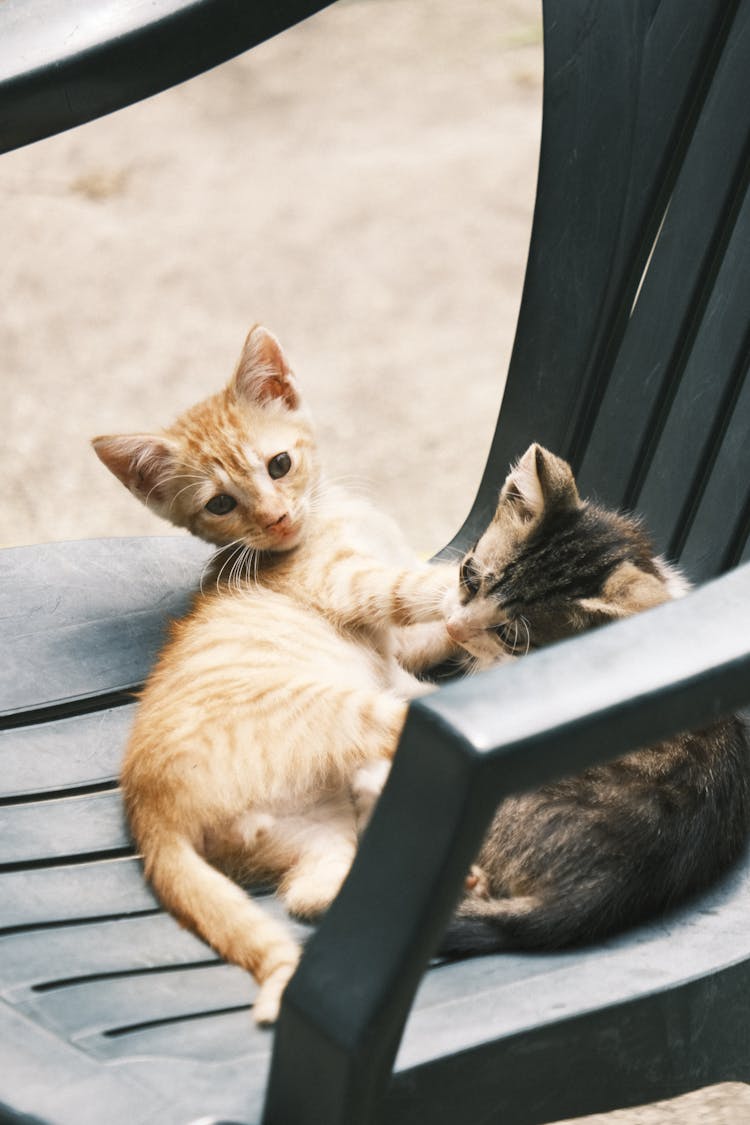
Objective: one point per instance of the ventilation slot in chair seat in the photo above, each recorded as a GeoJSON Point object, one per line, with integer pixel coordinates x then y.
{"type": "Point", "coordinates": [211, 1036]}
{"type": "Point", "coordinates": [86, 704]}
{"type": "Point", "coordinates": [42, 796]}
{"type": "Point", "coordinates": [109, 946]}
{"type": "Point", "coordinates": [92, 978]}
{"type": "Point", "coordinates": [109, 1004]}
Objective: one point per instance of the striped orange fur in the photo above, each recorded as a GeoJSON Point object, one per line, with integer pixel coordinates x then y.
{"type": "Point", "coordinates": [264, 732]}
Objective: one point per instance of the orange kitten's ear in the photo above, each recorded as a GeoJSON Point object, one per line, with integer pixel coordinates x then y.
{"type": "Point", "coordinates": [538, 480]}
{"type": "Point", "coordinates": [143, 462]}
{"type": "Point", "coordinates": [262, 373]}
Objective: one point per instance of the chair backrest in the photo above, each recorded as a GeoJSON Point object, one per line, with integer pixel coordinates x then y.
{"type": "Point", "coordinates": [59, 69]}
{"type": "Point", "coordinates": [633, 337]}
{"type": "Point", "coordinates": [635, 375]}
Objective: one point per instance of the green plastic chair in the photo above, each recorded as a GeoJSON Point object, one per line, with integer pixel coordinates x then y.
{"type": "Point", "coordinates": [108, 1010]}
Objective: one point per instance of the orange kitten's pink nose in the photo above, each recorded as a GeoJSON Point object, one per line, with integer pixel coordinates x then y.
{"type": "Point", "coordinates": [282, 529]}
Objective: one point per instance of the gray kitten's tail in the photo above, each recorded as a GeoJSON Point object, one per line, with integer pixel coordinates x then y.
{"type": "Point", "coordinates": [467, 937]}
{"type": "Point", "coordinates": [523, 923]}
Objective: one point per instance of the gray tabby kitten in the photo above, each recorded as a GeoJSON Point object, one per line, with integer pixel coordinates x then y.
{"type": "Point", "coordinates": [583, 857]}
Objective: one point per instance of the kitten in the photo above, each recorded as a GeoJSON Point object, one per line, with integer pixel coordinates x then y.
{"type": "Point", "coordinates": [585, 856]}
{"type": "Point", "coordinates": [265, 729]}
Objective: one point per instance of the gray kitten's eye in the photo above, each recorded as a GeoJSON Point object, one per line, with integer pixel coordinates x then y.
{"type": "Point", "coordinates": [221, 504]}
{"type": "Point", "coordinates": [279, 465]}
{"type": "Point", "coordinates": [515, 637]}
{"type": "Point", "coordinates": [469, 578]}
{"type": "Point", "coordinates": [508, 635]}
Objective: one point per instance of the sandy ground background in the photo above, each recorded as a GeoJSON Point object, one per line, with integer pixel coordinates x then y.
{"type": "Point", "coordinates": [364, 186]}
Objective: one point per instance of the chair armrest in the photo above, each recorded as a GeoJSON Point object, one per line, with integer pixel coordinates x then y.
{"type": "Point", "coordinates": [63, 64]}
{"type": "Point", "coordinates": [465, 748]}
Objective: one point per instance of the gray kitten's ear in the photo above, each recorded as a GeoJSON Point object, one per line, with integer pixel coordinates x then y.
{"type": "Point", "coordinates": [537, 481]}
{"type": "Point", "coordinates": [143, 462]}
{"type": "Point", "coordinates": [600, 610]}
{"type": "Point", "coordinates": [628, 590]}
{"type": "Point", "coordinates": [262, 373]}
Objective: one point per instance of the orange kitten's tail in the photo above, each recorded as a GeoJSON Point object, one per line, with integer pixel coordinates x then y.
{"type": "Point", "coordinates": [215, 908]}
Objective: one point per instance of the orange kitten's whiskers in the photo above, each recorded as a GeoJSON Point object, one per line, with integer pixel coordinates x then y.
{"type": "Point", "coordinates": [239, 571]}
{"type": "Point", "coordinates": [163, 482]}
{"type": "Point", "coordinates": [185, 488]}
{"type": "Point", "coordinates": [354, 485]}
{"type": "Point", "coordinates": [230, 561]}
{"type": "Point", "coordinates": [240, 562]}
{"type": "Point", "coordinates": [314, 497]}
{"type": "Point", "coordinates": [232, 582]}
{"type": "Point", "coordinates": [232, 547]}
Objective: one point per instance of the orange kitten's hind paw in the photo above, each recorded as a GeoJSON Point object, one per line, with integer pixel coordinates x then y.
{"type": "Point", "coordinates": [477, 884]}
{"type": "Point", "coordinates": [312, 885]}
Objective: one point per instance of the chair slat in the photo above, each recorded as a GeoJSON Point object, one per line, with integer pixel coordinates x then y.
{"type": "Point", "coordinates": [723, 511]}
{"type": "Point", "coordinates": [79, 751]}
{"type": "Point", "coordinates": [69, 826]}
{"type": "Point", "coordinates": [607, 167]}
{"type": "Point", "coordinates": [62, 953]}
{"type": "Point", "coordinates": [706, 403]}
{"type": "Point", "coordinates": [675, 296]}
{"type": "Point", "coordinates": [43, 895]}
{"type": "Point", "coordinates": [92, 617]}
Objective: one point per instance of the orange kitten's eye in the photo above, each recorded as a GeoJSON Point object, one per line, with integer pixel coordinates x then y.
{"type": "Point", "coordinates": [279, 465]}
{"type": "Point", "coordinates": [221, 504]}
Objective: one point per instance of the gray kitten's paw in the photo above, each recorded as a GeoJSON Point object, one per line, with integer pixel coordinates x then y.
{"type": "Point", "coordinates": [477, 883]}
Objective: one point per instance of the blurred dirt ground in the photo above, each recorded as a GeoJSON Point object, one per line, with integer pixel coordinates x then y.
{"type": "Point", "coordinates": [364, 186]}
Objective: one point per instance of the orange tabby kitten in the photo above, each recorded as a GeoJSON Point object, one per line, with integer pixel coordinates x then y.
{"type": "Point", "coordinates": [264, 730]}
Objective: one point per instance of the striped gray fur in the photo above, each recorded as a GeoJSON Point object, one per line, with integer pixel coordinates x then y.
{"type": "Point", "coordinates": [586, 856]}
